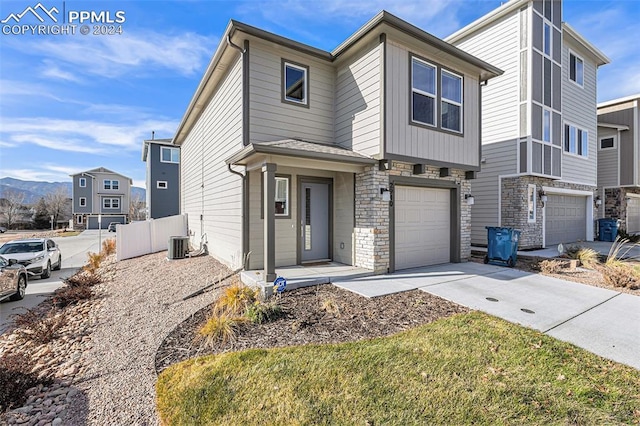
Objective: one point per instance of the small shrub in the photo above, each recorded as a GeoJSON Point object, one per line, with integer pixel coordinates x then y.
{"type": "Point", "coordinates": [38, 327]}
{"type": "Point", "coordinates": [93, 263]}
{"type": "Point", "coordinates": [618, 251]}
{"type": "Point", "coordinates": [260, 312]}
{"type": "Point", "coordinates": [550, 266]}
{"type": "Point", "coordinates": [620, 275]}
{"type": "Point", "coordinates": [108, 247]}
{"type": "Point", "coordinates": [235, 299]}
{"type": "Point", "coordinates": [587, 256]}
{"type": "Point", "coordinates": [330, 306]}
{"type": "Point", "coordinates": [220, 328]}
{"type": "Point", "coordinates": [16, 379]}
{"type": "Point", "coordinates": [68, 295]}
{"type": "Point", "coordinates": [83, 280]}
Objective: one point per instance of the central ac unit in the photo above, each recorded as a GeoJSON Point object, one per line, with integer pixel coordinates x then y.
{"type": "Point", "coordinates": [178, 247]}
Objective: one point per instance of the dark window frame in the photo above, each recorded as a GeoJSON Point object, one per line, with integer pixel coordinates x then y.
{"type": "Point", "coordinates": [283, 72]}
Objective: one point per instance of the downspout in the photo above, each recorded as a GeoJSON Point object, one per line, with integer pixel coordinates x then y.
{"type": "Point", "coordinates": [245, 141]}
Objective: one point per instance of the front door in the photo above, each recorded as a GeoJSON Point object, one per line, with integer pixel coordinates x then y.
{"type": "Point", "coordinates": [314, 218]}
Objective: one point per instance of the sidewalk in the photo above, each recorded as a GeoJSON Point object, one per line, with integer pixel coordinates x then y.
{"type": "Point", "coordinates": [601, 321]}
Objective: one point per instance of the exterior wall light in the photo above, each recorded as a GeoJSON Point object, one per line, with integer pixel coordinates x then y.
{"type": "Point", "coordinates": [543, 197]}
{"type": "Point", "coordinates": [598, 201]}
{"type": "Point", "coordinates": [470, 199]}
{"type": "Point", "coordinates": [386, 194]}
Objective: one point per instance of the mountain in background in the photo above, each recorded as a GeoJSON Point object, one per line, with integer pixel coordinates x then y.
{"type": "Point", "coordinates": [34, 190]}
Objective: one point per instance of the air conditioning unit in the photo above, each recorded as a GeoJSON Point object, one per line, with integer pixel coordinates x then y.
{"type": "Point", "coordinates": [178, 247]}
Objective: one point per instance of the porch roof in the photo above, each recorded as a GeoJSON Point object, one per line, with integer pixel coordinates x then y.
{"type": "Point", "coordinates": [300, 149]}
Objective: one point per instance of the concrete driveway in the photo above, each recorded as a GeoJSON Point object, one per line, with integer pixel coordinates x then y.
{"type": "Point", "coordinates": [74, 255]}
{"type": "Point", "coordinates": [601, 321]}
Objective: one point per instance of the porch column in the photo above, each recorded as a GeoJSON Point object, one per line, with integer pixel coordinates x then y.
{"type": "Point", "coordinates": [269, 191]}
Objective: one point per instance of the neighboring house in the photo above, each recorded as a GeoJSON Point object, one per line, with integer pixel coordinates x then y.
{"type": "Point", "coordinates": [100, 193]}
{"type": "Point", "coordinates": [163, 177]}
{"type": "Point", "coordinates": [619, 162]}
{"type": "Point", "coordinates": [362, 155]}
{"type": "Point", "coordinates": [539, 126]}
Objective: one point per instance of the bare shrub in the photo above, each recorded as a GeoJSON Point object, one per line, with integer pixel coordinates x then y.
{"type": "Point", "coordinates": [550, 266]}
{"type": "Point", "coordinates": [108, 247]}
{"type": "Point", "coordinates": [38, 327]}
{"type": "Point", "coordinates": [83, 280]}
{"type": "Point", "coordinates": [620, 275]}
{"type": "Point", "coordinates": [93, 263]}
{"type": "Point", "coordinates": [16, 378]}
{"type": "Point", "coordinates": [68, 295]}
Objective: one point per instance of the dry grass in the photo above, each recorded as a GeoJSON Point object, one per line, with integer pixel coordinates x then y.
{"type": "Point", "coordinates": [93, 262]}
{"type": "Point", "coordinates": [551, 266]}
{"type": "Point", "coordinates": [32, 325]}
{"type": "Point", "coordinates": [236, 298]}
{"type": "Point", "coordinates": [220, 329]}
{"type": "Point", "coordinates": [108, 247]}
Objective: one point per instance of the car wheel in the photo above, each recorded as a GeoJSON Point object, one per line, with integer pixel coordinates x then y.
{"type": "Point", "coordinates": [47, 272]}
{"type": "Point", "coordinates": [20, 291]}
{"type": "Point", "coordinates": [59, 264]}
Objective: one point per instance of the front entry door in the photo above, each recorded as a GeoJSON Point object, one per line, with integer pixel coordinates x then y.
{"type": "Point", "coordinates": [314, 218]}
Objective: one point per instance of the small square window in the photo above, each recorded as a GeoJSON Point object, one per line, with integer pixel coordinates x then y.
{"type": "Point", "coordinates": [295, 83]}
{"type": "Point", "coordinates": [606, 143]}
{"type": "Point", "coordinates": [83, 201]}
{"type": "Point", "coordinates": [169, 155]}
{"type": "Point", "coordinates": [83, 182]}
{"type": "Point", "coordinates": [161, 184]}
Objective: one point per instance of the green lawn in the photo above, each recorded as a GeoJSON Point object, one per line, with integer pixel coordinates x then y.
{"type": "Point", "coordinates": [470, 368]}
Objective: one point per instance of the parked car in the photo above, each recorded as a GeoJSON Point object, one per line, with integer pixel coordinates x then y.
{"type": "Point", "coordinates": [112, 226]}
{"type": "Point", "coordinates": [37, 255]}
{"type": "Point", "coordinates": [13, 280]}
{"type": "Point", "coordinates": [3, 229]}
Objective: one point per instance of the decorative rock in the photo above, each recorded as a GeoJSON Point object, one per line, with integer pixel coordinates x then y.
{"type": "Point", "coordinates": [57, 421]}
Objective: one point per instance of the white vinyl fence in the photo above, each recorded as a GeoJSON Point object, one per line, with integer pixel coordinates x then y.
{"type": "Point", "coordinates": [151, 236]}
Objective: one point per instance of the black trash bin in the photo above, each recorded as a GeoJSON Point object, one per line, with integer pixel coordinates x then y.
{"type": "Point", "coordinates": [502, 245]}
{"type": "Point", "coordinates": [607, 229]}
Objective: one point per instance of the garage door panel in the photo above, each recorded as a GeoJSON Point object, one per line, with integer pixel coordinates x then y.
{"type": "Point", "coordinates": [566, 219]}
{"type": "Point", "coordinates": [422, 226]}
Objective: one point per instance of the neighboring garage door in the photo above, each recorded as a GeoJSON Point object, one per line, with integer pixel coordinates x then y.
{"type": "Point", "coordinates": [633, 215]}
{"type": "Point", "coordinates": [566, 219]}
{"type": "Point", "coordinates": [422, 226]}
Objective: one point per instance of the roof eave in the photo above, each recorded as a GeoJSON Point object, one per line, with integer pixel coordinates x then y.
{"type": "Point", "coordinates": [597, 53]}
{"type": "Point", "coordinates": [274, 150]}
{"type": "Point", "coordinates": [613, 126]}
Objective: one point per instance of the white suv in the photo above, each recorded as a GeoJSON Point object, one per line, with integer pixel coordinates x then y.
{"type": "Point", "coordinates": [38, 255]}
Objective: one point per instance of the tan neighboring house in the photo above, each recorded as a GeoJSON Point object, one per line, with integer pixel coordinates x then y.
{"type": "Point", "coordinates": [363, 155]}
{"type": "Point", "coordinates": [619, 162]}
{"type": "Point", "coordinates": [539, 124]}
{"type": "Point", "coordinates": [100, 194]}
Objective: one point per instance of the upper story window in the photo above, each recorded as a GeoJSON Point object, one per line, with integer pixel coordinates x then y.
{"type": "Point", "coordinates": [576, 69]}
{"type": "Point", "coordinates": [111, 203]}
{"type": "Point", "coordinates": [161, 184]}
{"type": "Point", "coordinates": [547, 39]}
{"type": "Point", "coordinates": [111, 184]}
{"type": "Point", "coordinates": [546, 125]}
{"type": "Point", "coordinates": [82, 182]}
{"type": "Point", "coordinates": [608, 142]}
{"type": "Point", "coordinates": [423, 92]}
{"type": "Point", "coordinates": [169, 155]}
{"type": "Point", "coordinates": [83, 201]}
{"type": "Point", "coordinates": [295, 83]}
{"type": "Point", "coordinates": [576, 141]}
{"type": "Point", "coordinates": [451, 114]}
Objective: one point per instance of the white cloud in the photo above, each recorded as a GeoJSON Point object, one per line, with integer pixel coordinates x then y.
{"type": "Point", "coordinates": [35, 174]}
{"type": "Point", "coordinates": [132, 53]}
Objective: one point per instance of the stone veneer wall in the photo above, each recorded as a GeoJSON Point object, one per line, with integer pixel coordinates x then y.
{"type": "Point", "coordinates": [372, 228]}
{"type": "Point", "coordinates": [514, 213]}
{"type": "Point", "coordinates": [615, 204]}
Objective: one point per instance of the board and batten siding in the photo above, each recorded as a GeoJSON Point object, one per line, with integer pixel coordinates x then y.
{"type": "Point", "coordinates": [420, 142]}
{"type": "Point", "coordinates": [608, 160]}
{"type": "Point", "coordinates": [208, 188]}
{"type": "Point", "coordinates": [358, 101]}
{"type": "Point", "coordinates": [501, 159]}
{"type": "Point", "coordinates": [499, 45]}
{"type": "Point", "coordinates": [270, 118]}
{"type": "Point", "coordinates": [579, 108]}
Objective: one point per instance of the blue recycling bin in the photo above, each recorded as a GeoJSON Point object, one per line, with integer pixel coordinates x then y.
{"type": "Point", "coordinates": [502, 245]}
{"type": "Point", "coordinates": [607, 229]}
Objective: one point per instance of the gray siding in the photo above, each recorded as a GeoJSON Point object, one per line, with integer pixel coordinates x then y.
{"type": "Point", "coordinates": [270, 118]}
{"type": "Point", "coordinates": [501, 159]}
{"type": "Point", "coordinates": [85, 192]}
{"type": "Point", "coordinates": [626, 116]}
{"type": "Point", "coordinates": [499, 45]}
{"type": "Point", "coordinates": [123, 192]}
{"type": "Point", "coordinates": [208, 188]}
{"type": "Point", "coordinates": [358, 90]}
{"type": "Point", "coordinates": [419, 142]}
{"type": "Point", "coordinates": [579, 107]}
{"type": "Point", "coordinates": [163, 202]}
{"type": "Point", "coordinates": [608, 161]}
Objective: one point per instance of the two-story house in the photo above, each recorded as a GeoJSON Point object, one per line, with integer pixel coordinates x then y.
{"type": "Point", "coordinates": [539, 126]}
{"type": "Point", "coordinates": [162, 178]}
{"type": "Point", "coordinates": [363, 155]}
{"type": "Point", "coordinates": [100, 193]}
{"type": "Point", "coordinates": [619, 162]}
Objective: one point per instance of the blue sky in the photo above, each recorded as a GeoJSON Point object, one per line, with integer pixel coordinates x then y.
{"type": "Point", "coordinates": [72, 102]}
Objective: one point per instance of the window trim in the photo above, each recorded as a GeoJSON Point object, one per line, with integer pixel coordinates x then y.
{"type": "Point", "coordinates": [615, 143]}
{"type": "Point", "coordinates": [110, 199]}
{"type": "Point", "coordinates": [171, 150]}
{"type": "Point", "coordinates": [532, 204]}
{"type": "Point", "coordinates": [82, 182]}
{"type": "Point", "coordinates": [461, 104]}
{"type": "Point", "coordinates": [80, 201]}
{"type": "Point", "coordinates": [278, 176]}
{"type": "Point", "coordinates": [283, 72]}
{"type": "Point", "coordinates": [159, 186]}
{"type": "Point", "coordinates": [578, 57]}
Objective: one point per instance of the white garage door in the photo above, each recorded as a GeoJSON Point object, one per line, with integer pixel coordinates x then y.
{"type": "Point", "coordinates": [633, 215]}
{"type": "Point", "coordinates": [566, 219]}
{"type": "Point", "coordinates": [422, 226]}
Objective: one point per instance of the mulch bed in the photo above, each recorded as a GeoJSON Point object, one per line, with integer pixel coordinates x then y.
{"type": "Point", "coordinates": [314, 315]}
